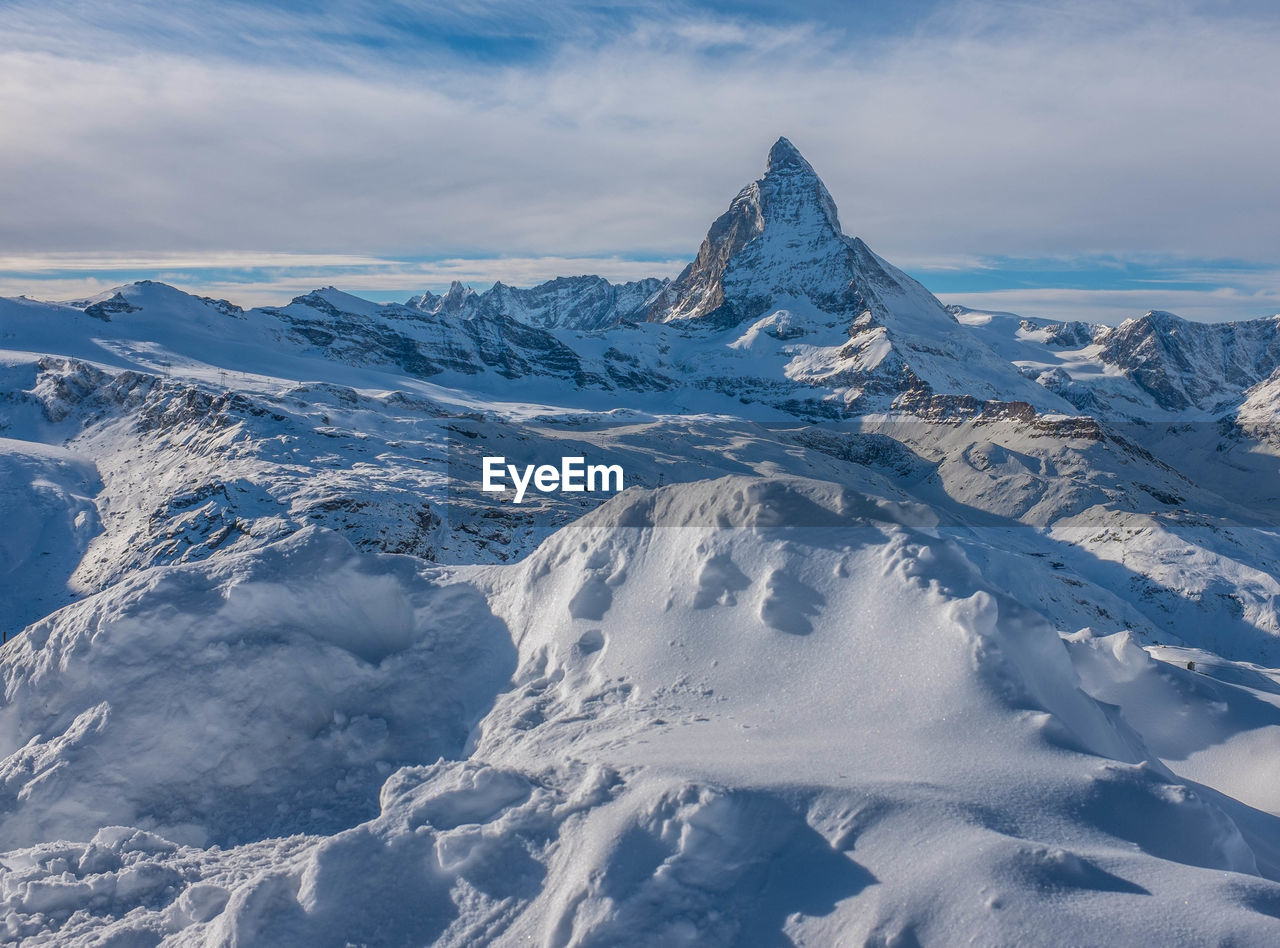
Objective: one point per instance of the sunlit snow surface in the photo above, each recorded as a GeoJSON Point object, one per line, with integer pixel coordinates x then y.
{"type": "Point", "coordinates": [743, 707]}
{"type": "Point", "coordinates": [911, 627]}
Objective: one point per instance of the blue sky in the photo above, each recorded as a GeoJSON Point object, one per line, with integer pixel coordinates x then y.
{"type": "Point", "coordinates": [1076, 159]}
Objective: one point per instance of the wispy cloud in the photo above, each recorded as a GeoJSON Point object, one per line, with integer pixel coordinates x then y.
{"type": "Point", "coordinates": [57, 262]}
{"type": "Point", "coordinates": [401, 131]}
{"type": "Point", "coordinates": [1107, 289]}
{"type": "Point", "coordinates": [262, 279]}
{"type": "Point", "coordinates": [1114, 306]}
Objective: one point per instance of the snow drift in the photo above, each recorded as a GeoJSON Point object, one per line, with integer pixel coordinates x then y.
{"type": "Point", "coordinates": [694, 734]}
{"type": "Point", "coordinates": [264, 694]}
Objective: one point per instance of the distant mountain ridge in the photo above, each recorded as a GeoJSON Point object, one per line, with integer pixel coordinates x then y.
{"type": "Point", "coordinates": [582, 302]}
{"type": "Point", "coordinates": [1157, 362]}
{"type": "Point", "coordinates": [779, 308]}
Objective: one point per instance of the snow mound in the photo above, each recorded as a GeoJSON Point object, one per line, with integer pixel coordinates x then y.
{"type": "Point", "coordinates": [758, 502]}
{"type": "Point", "coordinates": [817, 698]}
{"type": "Point", "coordinates": [702, 728]}
{"type": "Point", "coordinates": [262, 694]}
{"type": "Point", "coordinates": [727, 573]}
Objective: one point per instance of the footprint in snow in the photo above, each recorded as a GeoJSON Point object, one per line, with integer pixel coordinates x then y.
{"type": "Point", "coordinates": [788, 603]}
{"type": "Point", "coordinates": [719, 580]}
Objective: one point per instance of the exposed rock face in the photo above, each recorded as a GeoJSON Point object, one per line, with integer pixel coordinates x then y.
{"type": "Point", "coordinates": [780, 238]}
{"type": "Point", "coordinates": [1192, 365]}
{"type": "Point", "coordinates": [1155, 366]}
{"type": "Point", "coordinates": [1065, 335]}
{"type": "Point", "coordinates": [103, 310]}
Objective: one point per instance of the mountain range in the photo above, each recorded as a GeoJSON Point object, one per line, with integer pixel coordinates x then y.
{"type": "Point", "coordinates": [915, 624]}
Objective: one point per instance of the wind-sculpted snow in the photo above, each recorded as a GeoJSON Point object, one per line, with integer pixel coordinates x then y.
{"type": "Point", "coordinates": [687, 763]}
{"type": "Point", "coordinates": [259, 695]}
{"type": "Point", "coordinates": [913, 625]}
{"type": "Point", "coordinates": [48, 518]}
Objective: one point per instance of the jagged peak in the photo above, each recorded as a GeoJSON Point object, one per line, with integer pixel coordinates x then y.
{"type": "Point", "coordinates": [785, 156]}
{"type": "Point", "coordinates": [789, 180]}
{"type": "Point", "coordinates": [786, 224]}
{"type": "Point", "coordinates": [1153, 317]}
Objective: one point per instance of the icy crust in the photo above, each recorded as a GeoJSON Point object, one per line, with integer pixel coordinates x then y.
{"type": "Point", "coordinates": [710, 736]}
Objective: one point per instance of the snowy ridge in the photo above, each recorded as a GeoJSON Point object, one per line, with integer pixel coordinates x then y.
{"type": "Point", "coordinates": [584, 303]}
{"type": "Point", "coordinates": [1154, 366]}
{"type": "Point", "coordinates": [915, 625]}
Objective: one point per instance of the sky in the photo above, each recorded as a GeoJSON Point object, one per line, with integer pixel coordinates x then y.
{"type": "Point", "coordinates": [1076, 159]}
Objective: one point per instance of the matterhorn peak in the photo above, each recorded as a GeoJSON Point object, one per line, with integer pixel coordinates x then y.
{"type": "Point", "coordinates": [790, 185]}
{"type": "Point", "coordinates": [779, 247]}
{"type": "Point", "coordinates": [786, 163]}
{"type": "Point", "coordinates": [781, 237]}
{"type": "Point", "coordinates": [784, 155]}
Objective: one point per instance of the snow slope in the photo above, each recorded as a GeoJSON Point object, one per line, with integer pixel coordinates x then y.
{"type": "Point", "coordinates": [913, 626]}
{"type": "Point", "coordinates": [46, 506]}
{"type": "Point", "coordinates": [145, 705]}
{"type": "Point", "coordinates": [758, 734]}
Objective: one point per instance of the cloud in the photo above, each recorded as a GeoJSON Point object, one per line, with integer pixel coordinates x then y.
{"type": "Point", "coordinates": [54, 262]}
{"type": "Point", "coordinates": [1101, 129]}
{"type": "Point", "coordinates": [266, 279]}
{"type": "Point", "coordinates": [1114, 306]}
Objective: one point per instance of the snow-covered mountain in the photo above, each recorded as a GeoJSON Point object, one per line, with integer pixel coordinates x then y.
{"type": "Point", "coordinates": [914, 625]}
{"type": "Point", "coordinates": [779, 249]}
{"type": "Point", "coordinates": [1154, 366]}
{"type": "Point", "coordinates": [584, 302]}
